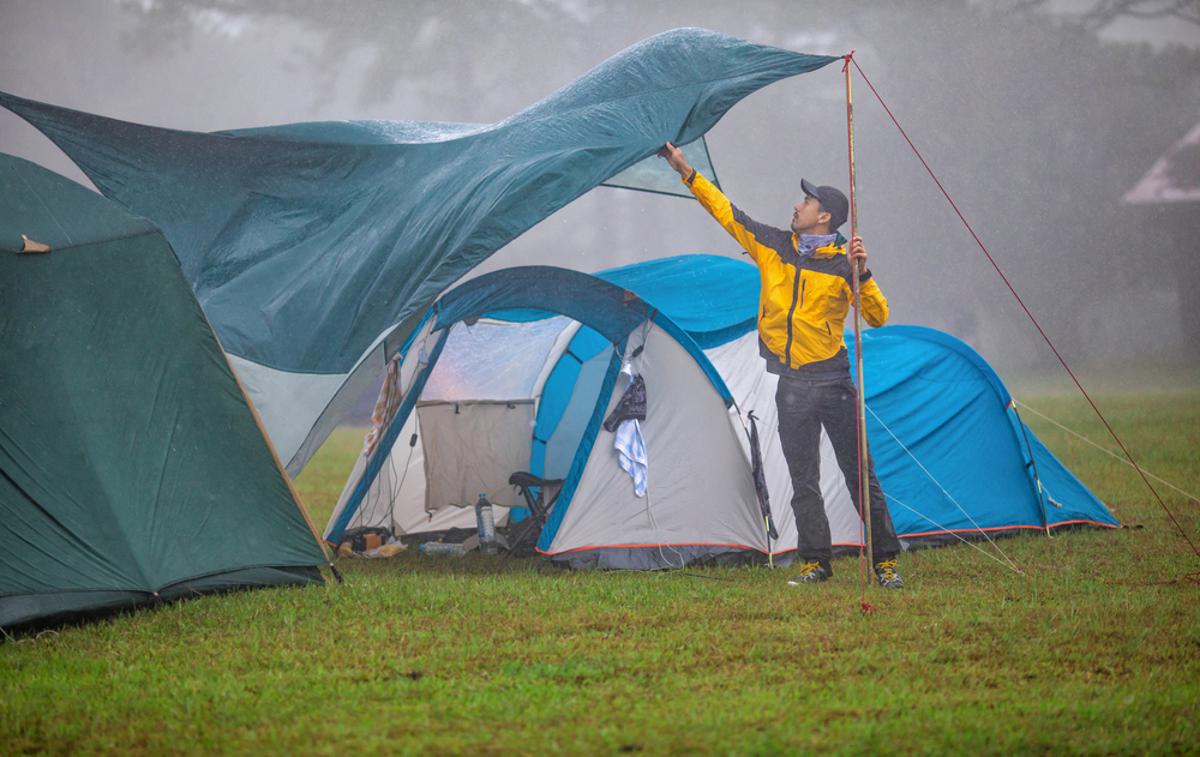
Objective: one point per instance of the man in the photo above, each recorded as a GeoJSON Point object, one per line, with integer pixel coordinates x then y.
{"type": "Point", "coordinates": [805, 297]}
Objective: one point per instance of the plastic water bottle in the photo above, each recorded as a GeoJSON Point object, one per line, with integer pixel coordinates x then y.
{"type": "Point", "coordinates": [448, 549]}
{"type": "Point", "coordinates": [485, 521]}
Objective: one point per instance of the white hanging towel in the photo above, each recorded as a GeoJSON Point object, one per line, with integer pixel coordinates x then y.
{"type": "Point", "coordinates": [628, 441]}
{"type": "Point", "coordinates": [631, 453]}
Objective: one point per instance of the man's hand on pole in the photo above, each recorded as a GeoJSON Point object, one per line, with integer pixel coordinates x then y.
{"type": "Point", "coordinates": [858, 252]}
{"type": "Point", "coordinates": [674, 157]}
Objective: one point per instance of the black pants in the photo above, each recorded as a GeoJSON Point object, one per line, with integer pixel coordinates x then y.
{"type": "Point", "coordinates": [804, 407]}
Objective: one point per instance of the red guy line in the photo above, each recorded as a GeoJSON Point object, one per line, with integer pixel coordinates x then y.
{"type": "Point", "coordinates": [1037, 325]}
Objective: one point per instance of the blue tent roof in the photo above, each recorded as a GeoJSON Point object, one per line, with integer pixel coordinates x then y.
{"type": "Point", "coordinates": [305, 242]}
{"type": "Point", "coordinates": [710, 297]}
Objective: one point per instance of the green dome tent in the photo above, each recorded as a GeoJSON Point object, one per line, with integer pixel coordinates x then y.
{"type": "Point", "coordinates": [132, 470]}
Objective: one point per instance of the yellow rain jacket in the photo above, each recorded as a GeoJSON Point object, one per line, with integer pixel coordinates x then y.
{"type": "Point", "coordinates": [803, 302]}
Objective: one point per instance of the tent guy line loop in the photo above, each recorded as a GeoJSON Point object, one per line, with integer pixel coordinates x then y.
{"type": "Point", "coordinates": [1106, 450]}
{"type": "Point", "coordinates": [945, 493]}
{"type": "Point", "coordinates": [1062, 361]}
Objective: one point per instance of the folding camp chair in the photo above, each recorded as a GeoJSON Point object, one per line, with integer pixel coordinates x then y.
{"type": "Point", "coordinates": [540, 495]}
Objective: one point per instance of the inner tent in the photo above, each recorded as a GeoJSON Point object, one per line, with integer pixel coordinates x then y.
{"type": "Point", "coordinates": [499, 399]}
{"type": "Point", "coordinates": [472, 399]}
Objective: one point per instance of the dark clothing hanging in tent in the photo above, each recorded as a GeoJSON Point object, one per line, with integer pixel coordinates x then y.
{"type": "Point", "coordinates": [632, 405]}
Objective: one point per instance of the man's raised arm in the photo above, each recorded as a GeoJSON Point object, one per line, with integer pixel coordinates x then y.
{"type": "Point", "coordinates": [740, 226]}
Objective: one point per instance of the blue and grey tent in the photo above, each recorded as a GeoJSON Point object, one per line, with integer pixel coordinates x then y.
{"type": "Point", "coordinates": [309, 245]}
{"type": "Point", "coordinates": [517, 369]}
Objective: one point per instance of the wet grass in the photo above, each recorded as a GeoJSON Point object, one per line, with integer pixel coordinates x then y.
{"type": "Point", "coordinates": [1095, 648]}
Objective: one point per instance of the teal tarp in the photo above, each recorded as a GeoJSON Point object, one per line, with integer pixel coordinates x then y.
{"type": "Point", "coordinates": [131, 468]}
{"type": "Point", "coordinates": [305, 242]}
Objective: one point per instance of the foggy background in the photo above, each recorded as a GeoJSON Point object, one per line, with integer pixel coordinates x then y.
{"type": "Point", "coordinates": [1038, 116]}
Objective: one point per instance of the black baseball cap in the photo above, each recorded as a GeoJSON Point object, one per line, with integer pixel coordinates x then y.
{"type": "Point", "coordinates": [831, 199]}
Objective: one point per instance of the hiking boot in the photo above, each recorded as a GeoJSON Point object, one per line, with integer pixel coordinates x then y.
{"type": "Point", "coordinates": [889, 577]}
{"type": "Point", "coordinates": [810, 573]}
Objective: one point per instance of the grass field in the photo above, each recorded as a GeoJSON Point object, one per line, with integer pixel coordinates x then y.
{"type": "Point", "coordinates": [1096, 648]}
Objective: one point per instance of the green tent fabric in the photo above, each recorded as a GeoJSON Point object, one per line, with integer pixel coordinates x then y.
{"type": "Point", "coordinates": [307, 243]}
{"type": "Point", "coordinates": [132, 470]}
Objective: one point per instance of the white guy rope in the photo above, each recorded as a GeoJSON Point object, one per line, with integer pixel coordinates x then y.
{"type": "Point", "coordinates": [1105, 450]}
{"type": "Point", "coordinates": [958, 536]}
{"type": "Point", "coordinates": [944, 492]}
